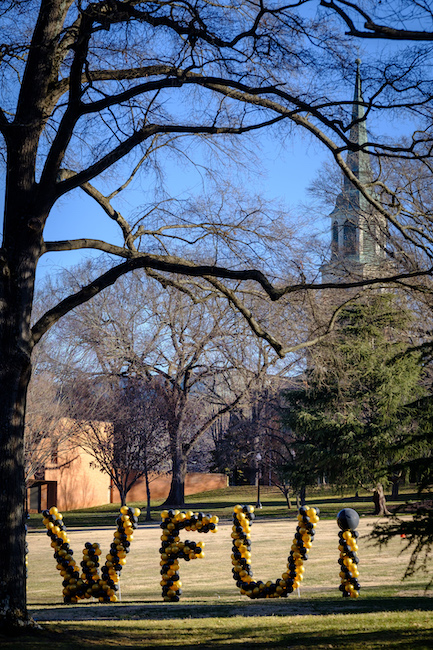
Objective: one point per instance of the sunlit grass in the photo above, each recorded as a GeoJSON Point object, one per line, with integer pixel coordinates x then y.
{"type": "Point", "coordinates": [209, 580]}
{"type": "Point", "coordinates": [349, 631]}
{"type": "Point", "coordinates": [220, 502]}
{"type": "Point", "coordinates": [389, 614]}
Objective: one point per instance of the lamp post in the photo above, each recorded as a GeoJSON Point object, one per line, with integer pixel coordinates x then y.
{"type": "Point", "coordinates": [258, 459]}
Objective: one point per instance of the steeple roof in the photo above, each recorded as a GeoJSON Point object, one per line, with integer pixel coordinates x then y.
{"type": "Point", "coordinates": [350, 202]}
{"type": "Point", "coordinates": [358, 161]}
{"type": "Point", "coordinates": [357, 232]}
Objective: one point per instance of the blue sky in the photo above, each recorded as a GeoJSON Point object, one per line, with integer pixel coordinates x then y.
{"type": "Point", "coordinates": [287, 170]}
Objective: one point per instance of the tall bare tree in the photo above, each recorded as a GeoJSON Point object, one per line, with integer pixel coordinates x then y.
{"type": "Point", "coordinates": [88, 87]}
{"type": "Point", "coordinates": [203, 361]}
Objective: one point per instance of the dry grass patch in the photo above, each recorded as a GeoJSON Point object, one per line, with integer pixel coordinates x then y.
{"type": "Point", "coordinates": [210, 580]}
{"type": "Point", "coordinates": [211, 614]}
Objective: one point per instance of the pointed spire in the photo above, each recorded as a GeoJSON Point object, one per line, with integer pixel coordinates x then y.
{"type": "Point", "coordinates": [358, 132]}
{"type": "Point", "coordinates": [357, 232]}
{"type": "Point", "coordinates": [359, 161]}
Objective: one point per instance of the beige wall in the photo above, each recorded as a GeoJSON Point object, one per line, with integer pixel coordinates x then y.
{"type": "Point", "coordinates": [160, 486]}
{"type": "Point", "coordinates": [79, 483]}
{"type": "Point", "coordinates": [82, 485]}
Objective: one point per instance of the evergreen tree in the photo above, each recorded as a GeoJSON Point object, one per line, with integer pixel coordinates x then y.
{"type": "Point", "coordinates": [417, 531]}
{"type": "Point", "coordinates": [351, 420]}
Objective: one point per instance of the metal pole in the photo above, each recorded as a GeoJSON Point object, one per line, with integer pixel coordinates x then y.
{"type": "Point", "coordinates": [258, 459]}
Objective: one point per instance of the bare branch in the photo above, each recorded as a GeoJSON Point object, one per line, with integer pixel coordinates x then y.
{"type": "Point", "coordinates": [373, 30]}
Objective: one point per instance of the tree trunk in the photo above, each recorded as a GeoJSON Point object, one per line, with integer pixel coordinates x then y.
{"type": "Point", "coordinates": [176, 496]}
{"type": "Point", "coordinates": [120, 481]}
{"type": "Point", "coordinates": [27, 204]}
{"type": "Point", "coordinates": [22, 241]}
{"type": "Point", "coordinates": [285, 489]}
{"type": "Point", "coordinates": [122, 495]}
{"type": "Point", "coordinates": [303, 495]}
{"type": "Point", "coordinates": [286, 493]}
{"type": "Point", "coordinates": [15, 371]}
{"type": "Point", "coordinates": [379, 501]}
{"type": "Point", "coordinates": [395, 486]}
{"type": "Point", "coordinates": [13, 611]}
{"type": "Point", "coordinates": [146, 478]}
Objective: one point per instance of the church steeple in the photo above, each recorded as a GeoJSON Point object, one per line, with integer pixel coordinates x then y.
{"type": "Point", "coordinates": [357, 233]}
{"type": "Point", "coordinates": [359, 161]}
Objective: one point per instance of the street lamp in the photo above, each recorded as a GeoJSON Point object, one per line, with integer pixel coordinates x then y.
{"type": "Point", "coordinates": [258, 459]}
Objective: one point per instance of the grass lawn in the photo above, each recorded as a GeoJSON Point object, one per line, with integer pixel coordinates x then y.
{"type": "Point", "coordinates": [211, 614]}
{"type": "Point", "coordinates": [220, 502]}
{"type": "Point", "coordinates": [351, 632]}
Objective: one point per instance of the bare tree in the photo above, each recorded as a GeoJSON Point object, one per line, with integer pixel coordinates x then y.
{"type": "Point", "coordinates": [203, 361]}
{"type": "Point", "coordinates": [128, 440]}
{"type": "Point", "coordinates": [253, 446]}
{"type": "Point", "coordinates": [88, 87]}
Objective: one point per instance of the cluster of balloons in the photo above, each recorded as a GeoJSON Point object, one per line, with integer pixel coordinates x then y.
{"type": "Point", "coordinates": [90, 565]}
{"type": "Point", "coordinates": [243, 517]}
{"type": "Point", "coordinates": [348, 520]}
{"type": "Point", "coordinates": [84, 581]}
{"type": "Point", "coordinates": [172, 549]}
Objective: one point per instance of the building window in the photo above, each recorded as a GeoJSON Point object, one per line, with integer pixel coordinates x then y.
{"type": "Point", "coordinates": [334, 237]}
{"type": "Point", "coordinates": [349, 238]}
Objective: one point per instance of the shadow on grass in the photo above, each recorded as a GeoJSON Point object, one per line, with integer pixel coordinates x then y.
{"type": "Point", "coordinates": [242, 635]}
{"type": "Point", "coordinates": [245, 608]}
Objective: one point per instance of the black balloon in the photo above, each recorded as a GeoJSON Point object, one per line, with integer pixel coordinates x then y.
{"type": "Point", "coordinates": [348, 519]}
